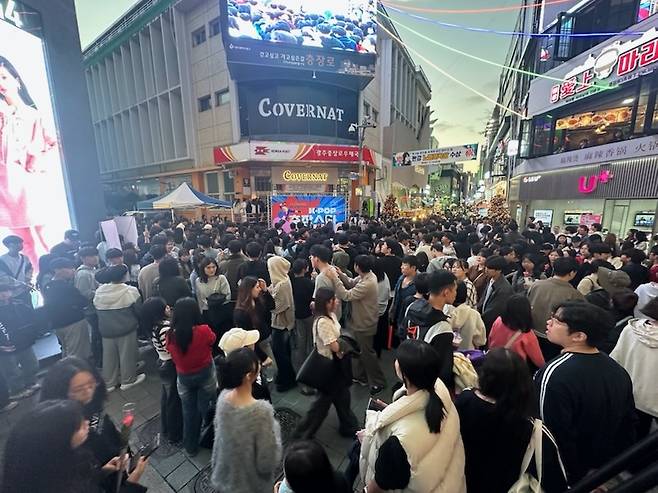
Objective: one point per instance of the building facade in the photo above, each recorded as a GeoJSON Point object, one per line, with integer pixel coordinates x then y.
{"type": "Point", "coordinates": [589, 149]}
{"type": "Point", "coordinates": [171, 105]}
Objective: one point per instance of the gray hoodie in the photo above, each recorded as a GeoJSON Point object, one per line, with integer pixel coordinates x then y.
{"type": "Point", "coordinates": [118, 308]}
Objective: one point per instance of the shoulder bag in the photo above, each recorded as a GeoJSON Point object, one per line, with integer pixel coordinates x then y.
{"type": "Point", "coordinates": [317, 371]}
{"type": "Point", "coordinates": [513, 339]}
{"type": "Point", "coordinates": [216, 300]}
{"type": "Point", "coordinates": [527, 483]}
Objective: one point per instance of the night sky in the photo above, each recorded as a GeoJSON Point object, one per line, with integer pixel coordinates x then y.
{"type": "Point", "coordinates": [461, 114]}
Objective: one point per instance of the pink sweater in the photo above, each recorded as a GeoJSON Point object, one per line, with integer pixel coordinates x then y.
{"type": "Point", "coordinates": [526, 345]}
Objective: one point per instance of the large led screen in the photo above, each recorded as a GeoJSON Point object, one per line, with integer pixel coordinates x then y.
{"type": "Point", "coordinates": [33, 200]}
{"type": "Point", "coordinates": [326, 35]}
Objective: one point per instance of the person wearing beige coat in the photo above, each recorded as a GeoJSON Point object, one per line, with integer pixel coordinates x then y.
{"type": "Point", "coordinates": [283, 321]}
{"type": "Point", "coordinates": [363, 294]}
{"type": "Point", "coordinates": [414, 444]}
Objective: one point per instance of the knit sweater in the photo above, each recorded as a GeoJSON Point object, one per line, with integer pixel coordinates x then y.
{"type": "Point", "coordinates": [247, 447]}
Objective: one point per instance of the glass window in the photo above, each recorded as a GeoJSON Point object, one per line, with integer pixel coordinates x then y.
{"type": "Point", "coordinates": [563, 42]}
{"type": "Point", "coordinates": [212, 183]}
{"type": "Point", "coordinates": [526, 134]}
{"type": "Point", "coordinates": [214, 27]}
{"type": "Point", "coordinates": [263, 183]}
{"type": "Point", "coordinates": [375, 115]}
{"type": "Point", "coordinates": [204, 104]}
{"type": "Point", "coordinates": [541, 135]}
{"type": "Point", "coordinates": [366, 109]}
{"type": "Point", "coordinates": [647, 8]}
{"type": "Point", "coordinates": [609, 120]}
{"type": "Point", "coordinates": [222, 97]}
{"type": "Point", "coordinates": [199, 36]}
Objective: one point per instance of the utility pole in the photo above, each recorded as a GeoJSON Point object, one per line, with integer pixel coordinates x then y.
{"type": "Point", "coordinates": [361, 134]}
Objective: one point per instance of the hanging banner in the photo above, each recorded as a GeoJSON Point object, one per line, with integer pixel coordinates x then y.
{"type": "Point", "coordinates": [288, 151]}
{"type": "Point", "coordinates": [444, 155]}
{"type": "Point", "coordinates": [313, 209]}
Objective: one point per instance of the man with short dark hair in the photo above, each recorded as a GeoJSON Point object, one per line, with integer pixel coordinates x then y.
{"type": "Point", "coordinates": [65, 305]}
{"type": "Point", "coordinates": [69, 247]}
{"type": "Point", "coordinates": [638, 273]}
{"type": "Point", "coordinates": [254, 266]}
{"type": "Point", "coordinates": [404, 288]}
{"type": "Point", "coordinates": [302, 336]}
{"type": "Point", "coordinates": [205, 243]}
{"type": "Point", "coordinates": [85, 282]}
{"type": "Point", "coordinates": [438, 258]}
{"type": "Point", "coordinates": [497, 292]}
{"type": "Point", "coordinates": [362, 292]}
{"type": "Point", "coordinates": [321, 261]}
{"type": "Point", "coordinates": [150, 273]}
{"type": "Point", "coordinates": [389, 262]}
{"type": "Point", "coordinates": [18, 267]}
{"type": "Point", "coordinates": [230, 266]}
{"type": "Point", "coordinates": [584, 397]}
{"type": "Point", "coordinates": [435, 329]}
{"type": "Point", "coordinates": [18, 331]}
{"type": "Point", "coordinates": [547, 293]}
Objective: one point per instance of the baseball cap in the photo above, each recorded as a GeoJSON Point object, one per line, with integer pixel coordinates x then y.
{"type": "Point", "coordinates": [613, 281]}
{"type": "Point", "coordinates": [207, 227]}
{"type": "Point", "coordinates": [113, 253]}
{"type": "Point", "coordinates": [12, 239]}
{"type": "Point", "coordinates": [72, 234]}
{"type": "Point", "coordinates": [237, 338]}
{"type": "Point", "coordinates": [62, 263]}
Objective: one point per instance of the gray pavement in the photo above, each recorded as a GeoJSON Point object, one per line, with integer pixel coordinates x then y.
{"type": "Point", "coordinates": [170, 469]}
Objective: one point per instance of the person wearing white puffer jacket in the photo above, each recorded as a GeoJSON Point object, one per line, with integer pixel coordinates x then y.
{"type": "Point", "coordinates": [414, 445]}
{"type": "Point", "coordinates": [637, 352]}
{"type": "Point", "coordinates": [466, 323]}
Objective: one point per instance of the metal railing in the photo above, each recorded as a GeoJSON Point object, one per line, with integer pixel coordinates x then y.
{"type": "Point", "coordinates": [639, 483]}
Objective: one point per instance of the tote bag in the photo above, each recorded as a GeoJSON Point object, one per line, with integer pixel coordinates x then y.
{"type": "Point", "coordinates": [527, 483]}
{"type": "Point", "coordinates": [317, 371]}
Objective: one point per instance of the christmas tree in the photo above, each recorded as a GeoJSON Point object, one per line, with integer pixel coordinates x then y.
{"type": "Point", "coordinates": [498, 210]}
{"type": "Point", "coordinates": [391, 209]}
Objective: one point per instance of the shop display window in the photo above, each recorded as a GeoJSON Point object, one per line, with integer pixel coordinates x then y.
{"type": "Point", "coordinates": [541, 134]}
{"type": "Point", "coordinates": [593, 128]}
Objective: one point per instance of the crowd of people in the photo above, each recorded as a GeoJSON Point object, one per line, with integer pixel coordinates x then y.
{"type": "Point", "coordinates": [505, 339]}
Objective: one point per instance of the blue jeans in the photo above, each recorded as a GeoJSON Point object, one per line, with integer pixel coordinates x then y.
{"type": "Point", "coordinates": [197, 391]}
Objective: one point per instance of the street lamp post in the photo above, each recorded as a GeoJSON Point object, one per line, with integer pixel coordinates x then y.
{"type": "Point", "coordinates": [361, 134]}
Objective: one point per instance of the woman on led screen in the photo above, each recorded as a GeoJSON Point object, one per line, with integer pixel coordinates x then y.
{"type": "Point", "coordinates": [24, 143]}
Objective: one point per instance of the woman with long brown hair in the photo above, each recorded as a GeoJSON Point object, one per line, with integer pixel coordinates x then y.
{"type": "Point", "coordinates": [253, 311]}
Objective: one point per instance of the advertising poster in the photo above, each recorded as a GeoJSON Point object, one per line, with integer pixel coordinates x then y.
{"type": "Point", "coordinates": [444, 155]}
{"type": "Point", "coordinates": [578, 218]}
{"type": "Point", "coordinates": [314, 209]}
{"type": "Point", "coordinates": [33, 202]}
{"type": "Point", "coordinates": [644, 219]}
{"type": "Point", "coordinates": [543, 215]}
{"type": "Point", "coordinates": [337, 36]}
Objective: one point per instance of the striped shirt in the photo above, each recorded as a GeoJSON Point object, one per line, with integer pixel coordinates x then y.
{"type": "Point", "coordinates": [159, 338]}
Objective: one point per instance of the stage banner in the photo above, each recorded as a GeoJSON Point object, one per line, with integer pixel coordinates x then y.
{"type": "Point", "coordinates": [444, 155]}
{"type": "Point", "coordinates": [314, 209]}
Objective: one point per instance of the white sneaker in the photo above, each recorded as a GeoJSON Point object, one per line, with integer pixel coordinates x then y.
{"type": "Point", "coordinates": [8, 407]}
{"type": "Point", "coordinates": [23, 394]}
{"type": "Point", "coordinates": [140, 378]}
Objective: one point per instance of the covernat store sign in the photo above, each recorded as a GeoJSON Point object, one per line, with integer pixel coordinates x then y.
{"type": "Point", "coordinates": [620, 61]}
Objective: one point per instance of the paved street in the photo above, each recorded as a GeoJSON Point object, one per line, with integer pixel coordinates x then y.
{"type": "Point", "coordinates": [170, 470]}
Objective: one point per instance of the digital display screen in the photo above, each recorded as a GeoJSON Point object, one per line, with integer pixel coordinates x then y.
{"type": "Point", "coordinates": [326, 35]}
{"type": "Point", "coordinates": [33, 199]}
